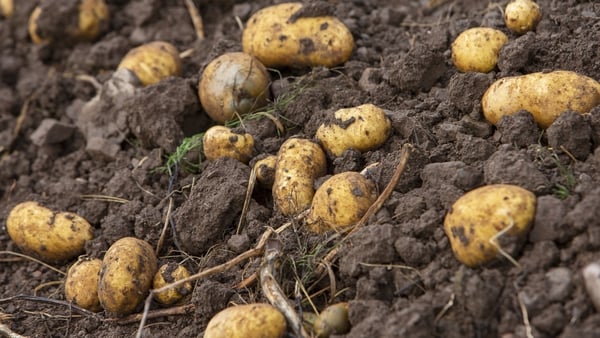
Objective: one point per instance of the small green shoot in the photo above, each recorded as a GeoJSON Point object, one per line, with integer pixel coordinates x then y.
{"type": "Point", "coordinates": [563, 190]}
{"type": "Point", "coordinates": [178, 157]}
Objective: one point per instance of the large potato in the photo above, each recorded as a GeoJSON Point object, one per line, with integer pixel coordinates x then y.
{"type": "Point", "coordinates": [247, 321]}
{"type": "Point", "coordinates": [544, 95]}
{"type": "Point", "coordinates": [477, 49]}
{"type": "Point", "coordinates": [127, 272]}
{"type": "Point", "coordinates": [361, 128]}
{"type": "Point", "coordinates": [277, 38]}
{"type": "Point", "coordinates": [220, 141]}
{"type": "Point", "coordinates": [522, 16]}
{"type": "Point", "coordinates": [169, 273]}
{"type": "Point", "coordinates": [299, 163]}
{"type": "Point", "coordinates": [49, 235]}
{"type": "Point", "coordinates": [477, 217]}
{"type": "Point", "coordinates": [153, 62]}
{"type": "Point", "coordinates": [81, 284]}
{"type": "Point", "coordinates": [341, 201]}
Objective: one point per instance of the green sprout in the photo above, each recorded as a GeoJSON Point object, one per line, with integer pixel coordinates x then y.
{"type": "Point", "coordinates": [563, 191]}
{"type": "Point", "coordinates": [178, 157]}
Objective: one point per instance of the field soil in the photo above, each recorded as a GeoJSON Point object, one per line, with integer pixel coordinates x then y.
{"type": "Point", "coordinates": [75, 136]}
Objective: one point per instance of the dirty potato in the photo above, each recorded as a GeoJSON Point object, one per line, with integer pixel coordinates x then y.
{"type": "Point", "coordinates": [522, 16]}
{"type": "Point", "coordinates": [170, 273]}
{"type": "Point", "coordinates": [81, 284]}
{"type": "Point", "coordinates": [265, 171]}
{"type": "Point", "coordinates": [152, 62]}
{"type": "Point", "coordinates": [220, 141]}
{"type": "Point", "coordinates": [333, 320]}
{"type": "Point", "coordinates": [477, 49]}
{"type": "Point", "coordinates": [247, 321]}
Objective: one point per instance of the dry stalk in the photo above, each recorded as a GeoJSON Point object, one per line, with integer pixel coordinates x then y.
{"type": "Point", "coordinates": [528, 330]}
{"type": "Point", "coordinates": [38, 299]}
{"type": "Point", "coordinates": [196, 19]}
{"type": "Point", "coordinates": [251, 184]}
{"type": "Point", "coordinates": [34, 260]}
{"type": "Point", "coordinates": [163, 233]}
{"type": "Point", "coordinates": [7, 332]}
{"type": "Point", "coordinates": [172, 311]}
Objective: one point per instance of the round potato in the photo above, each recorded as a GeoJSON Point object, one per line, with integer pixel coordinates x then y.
{"type": "Point", "coordinates": [522, 16]}
{"type": "Point", "coordinates": [361, 128]}
{"type": "Point", "coordinates": [544, 95]}
{"type": "Point", "coordinates": [333, 320]}
{"type": "Point", "coordinates": [128, 269]}
{"type": "Point", "coordinates": [46, 234]}
{"type": "Point", "coordinates": [481, 217]}
{"type": "Point", "coordinates": [265, 171]}
{"type": "Point", "coordinates": [247, 321]}
{"type": "Point", "coordinates": [280, 36]}
{"type": "Point", "coordinates": [477, 49]}
{"type": "Point", "coordinates": [7, 8]}
{"type": "Point", "coordinates": [340, 202]}
{"type": "Point", "coordinates": [153, 62]}
{"type": "Point", "coordinates": [169, 273]}
{"type": "Point", "coordinates": [220, 141]}
{"type": "Point", "coordinates": [233, 85]}
{"type": "Point", "coordinates": [81, 284]}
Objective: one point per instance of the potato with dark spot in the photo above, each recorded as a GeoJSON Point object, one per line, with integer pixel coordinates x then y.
{"type": "Point", "coordinates": [265, 171]}
{"type": "Point", "coordinates": [153, 62]}
{"type": "Point", "coordinates": [247, 321]}
{"type": "Point", "coordinates": [48, 235]}
{"type": "Point", "coordinates": [333, 320]}
{"type": "Point", "coordinates": [81, 284]}
{"type": "Point", "coordinates": [522, 16]}
{"type": "Point", "coordinates": [477, 49]}
{"type": "Point", "coordinates": [220, 141]}
{"type": "Point", "coordinates": [170, 273]}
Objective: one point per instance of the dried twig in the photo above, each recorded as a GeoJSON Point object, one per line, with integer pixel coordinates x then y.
{"type": "Point", "coordinates": [34, 260]}
{"type": "Point", "coordinates": [249, 190]}
{"type": "Point", "coordinates": [172, 311]}
{"type": "Point", "coordinates": [104, 198]}
{"type": "Point", "coordinates": [38, 299]}
{"type": "Point", "coordinates": [5, 331]}
{"type": "Point", "coordinates": [196, 19]}
{"type": "Point", "coordinates": [161, 239]}
{"type": "Point", "coordinates": [528, 330]}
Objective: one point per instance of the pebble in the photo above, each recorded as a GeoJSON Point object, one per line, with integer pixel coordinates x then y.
{"type": "Point", "coordinates": [51, 131]}
{"type": "Point", "coordinates": [591, 276]}
{"type": "Point", "coordinates": [559, 283]}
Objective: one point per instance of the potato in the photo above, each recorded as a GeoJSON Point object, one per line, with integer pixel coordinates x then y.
{"type": "Point", "coordinates": [247, 321]}
{"type": "Point", "coordinates": [477, 49]}
{"type": "Point", "coordinates": [522, 16]}
{"type": "Point", "coordinates": [333, 320]}
{"type": "Point", "coordinates": [127, 272]}
{"type": "Point", "coordinates": [341, 201]}
{"type": "Point", "coordinates": [81, 284]}
{"type": "Point", "coordinates": [544, 95]}
{"type": "Point", "coordinates": [7, 8]}
{"type": "Point", "coordinates": [169, 273]}
{"type": "Point", "coordinates": [278, 38]}
{"type": "Point", "coordinates": [153, 62]}
{"type": "Point", "coordinates": [361, 128]}
{"type": "Point", "coordinates": [220, 141]}
{"type": "Point", "coordinates": [475, 220]}
{"type": "Point", "coordinates": [48, 235]}
{"type": "Point", "coordinates": [299, 163]}
{"type": "Point", "coordinates": [265, 171]}
{"type": "Point", "coordinates": [233, 85]}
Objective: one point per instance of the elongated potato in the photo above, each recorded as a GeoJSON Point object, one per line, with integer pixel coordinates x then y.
{"type": "Point", "coordinates": [170, 273]}
{"type": "Point", "coordinates": [477, 49]}
{"type": "Point", "coordinates": [278, 38]}
{"type": "Point", "coordinates": [544, 95]}
{"type": "Point", "coordinates": [522, 16]}
{"type": "Point", "coordinates": [220, 141]}
{"type": "Point", "coordinates": [81, 284]}
{"type": "Point", "coordinates": [152, 62]}
{"type": "Point", "coordinates": [247, 321]}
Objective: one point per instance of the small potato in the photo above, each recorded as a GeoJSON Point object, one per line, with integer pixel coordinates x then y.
{"type": "Point", "coordinates": [544, 95]}
{"type": "Point", "coordinates": [333, 320]}
{"type": "Point", "coordinates": [233, 85]}
{"type": "Point", "coordinates": [341, 201]}
{"type": "Point", "coordinates": [477, 49]}
{"type": "Point", "coordinates": [522, 16]}
{"type": "Point", "coordinates": [361, 128]}
{"type": "Point", "coordinates": [247, 321]}
{"type": "Point", "coordinates": [299, 163]}
{"type": "Point", "coordinates": [128, 269]}
{"type": "Point", "coordinates": [278, 36]}
{"type": "Point", "coordinates": [153, 62]}
{"type": "Point", "coordinates": [220, 141]}
{"type": "Point", "coordinates": [7, 8]}
{"type": "Point", "coordinates": [475, 221]}
{"type": "Point", "coordinates": [81, 284]}
{"type": "Point", "coordinates": [49, 235]}
{"type": "Point", "coordinates": [169, 273]}
{"type": "Point", "coordinates": [265, 171]}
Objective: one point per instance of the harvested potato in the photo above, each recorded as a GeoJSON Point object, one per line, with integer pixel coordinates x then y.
{"type": "Point", "coordinates": [299, 163]}
{"type": "Point", "coordinates": [265, 171]}
{"type": "Point", "coordinates": [49, 235]}
{"type": "Point", "coordinates": [522, 16]}
{"type": "Point", "coordinates": [7, 8]}
{"type": "Point", "coordinates": [220, 141]}
{"type": "Point", "coordinates": [278, 36]}
{"type": "Point", "coordinates": [341, 201]}
{"type": "Point", "coordinates": [170, 273]}
{"type": "Point", "coordinates": [479, 218]}
{"type": "Point", "coordinates": [81, 284]}
{"type": "Point", "coordinates": [233, 85]}
{"type": "Point", "coordinates": [247, 321]}
{"type": "Point", "coordinates": [333, 320]}
{"type": "Point", "coordinates": [477, 49]}
{"type": "Point", "coordinates": [152, 62]}
{"type": "Point", "coordinates": [361, 128]}
{"type": "Point", "coordinates": [127, 272]}
{"type": "Point", "coordinates": [544, 95]}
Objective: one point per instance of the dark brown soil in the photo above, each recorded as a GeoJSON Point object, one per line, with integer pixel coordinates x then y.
{"type": "Point", "coordinates": [398, 272]}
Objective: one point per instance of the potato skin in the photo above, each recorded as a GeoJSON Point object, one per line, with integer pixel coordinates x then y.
{"type": "Point", "coordinates": [362, 128]}
{"type": "Point", "coordinates": [247, 321]}
{"type": "Point", "coordinates": [333, 320]}
{"type": "Point", "coordinates": [477, 216]}
{"type": "Point", "coordinates": [127, 271]}
{"type": "Point", "coordinates": [7, 8]}
{"type": "Point", "coordinates": [220, 141]}
{"type": "Point", "coordinates": [46, 234]}
{"type": "Point", "coordinates": [265, 171]}
{"type": "Point", "coordinates": [276, 39]}
{"type": "Point", "coordinates": [544, 95]}
{"type": "Point", "coordinates": [299, 163]}
{"type": "Point", "coordinates": [522, 16]}
{"type": "Point", "coordinates": [340, 202]}
{"type": "Point", "coordinates": [152, 62]}
{"type": "Point", "coordinates": [81, 284]}
{"type": "Point", "coordinates": [169, 273]}
{"type": "Point", "coordinates": [476, 49]}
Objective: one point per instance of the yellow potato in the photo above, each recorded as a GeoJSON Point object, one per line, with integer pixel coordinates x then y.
{"type": "Point", "coordinates": [220, 141]}
{"type": "Point", "coordinates": [341, 201]}
{"type": "Point", "coordinates": [49, 235]}
{"type": "Point", "coordinates": [81, 284]}
{"type": "Point", "coordinates": [333, 320]}
{"type": "Point", "coordinates": [477, 49]}
{"type": "Point", "coordinates": [233, 85]}
{"type": "Point", "coordinates": [153, 62]}
{"type": "Point", "coordinates": [7, 8]}
{"type": "Point", "coordinates": [265, 170]}
{"type": "Point", "coordinates": [544, 95]}
{"type": "Point", "coordinates": [127, 272]}
{"type": "Point", "coordinates": [169, 273]}
{"type": "Point", "coordinates": [522, 16]}
{"type": "Point", "coordinates": [474, 222]}
{"type": "Point", "coordinates": [299, 163]}
{"type": "Point", "coordinates": [361, 128]}
{"type": "Point", "coordinates": [277, 38]}
{"type": "Point", "coordinates": [247, 321]}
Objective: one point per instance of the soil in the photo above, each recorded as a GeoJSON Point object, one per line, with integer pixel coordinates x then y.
{"type": "Point", "coordinates": [65, 146]}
